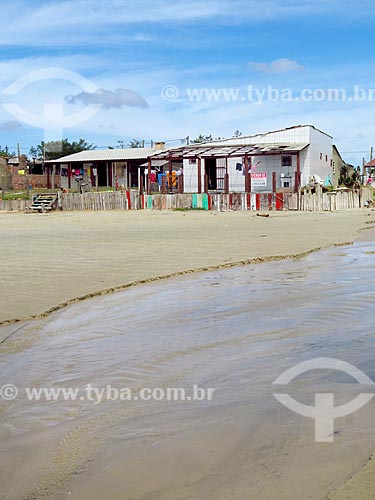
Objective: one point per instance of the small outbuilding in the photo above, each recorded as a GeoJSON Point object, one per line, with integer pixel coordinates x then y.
{"type": "Point", "coordinates": [102, 168]}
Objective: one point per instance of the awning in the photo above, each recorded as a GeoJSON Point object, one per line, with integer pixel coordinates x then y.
{"type": "Point", "coordinates": [234, 151]}
{"type": "Point", "coordinates": [155, 163]}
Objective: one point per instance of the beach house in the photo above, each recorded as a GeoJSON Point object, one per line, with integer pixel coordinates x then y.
{"type": "Point", "coordinates": [280, 160]}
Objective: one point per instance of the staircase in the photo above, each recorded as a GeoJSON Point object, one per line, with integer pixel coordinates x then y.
{"type": "Point", "coordinates": [44, 203]}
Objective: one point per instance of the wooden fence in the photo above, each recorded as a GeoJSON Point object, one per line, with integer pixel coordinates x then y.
{"type": "Point", "coordinates": [312, 199]}
{"type": "Point", "coordinates": [109, 200]}
{"type": "Point", "coordinates": [14, 205]}
{"type": "Point", "coordinates": [315, 200]}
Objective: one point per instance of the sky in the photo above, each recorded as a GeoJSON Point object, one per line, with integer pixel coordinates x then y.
{"type": "Point", "coordinates": [110, 70]}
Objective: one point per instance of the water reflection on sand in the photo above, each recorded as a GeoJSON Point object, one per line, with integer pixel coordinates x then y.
{"type": "Point", "coordinates": [235, 330]}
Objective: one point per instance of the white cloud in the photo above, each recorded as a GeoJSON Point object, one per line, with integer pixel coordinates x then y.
{"type": "Point", "coordinates": [279, 66]}
{"type": "Point", "coordinates": [118, 98]}
{"type": "Point", "coordinates": [87, 20]}
{"type": "Point", "coordinates": [11, 125]}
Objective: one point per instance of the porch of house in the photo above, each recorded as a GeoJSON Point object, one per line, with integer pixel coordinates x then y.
{"type": "Point", "coordinates": [101, 174]}
{"type": "Point", "coordinates": [226, 169]}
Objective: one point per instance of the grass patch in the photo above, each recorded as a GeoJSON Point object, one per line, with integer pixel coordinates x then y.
{"type": "Point", "coordinates": [15, 195]}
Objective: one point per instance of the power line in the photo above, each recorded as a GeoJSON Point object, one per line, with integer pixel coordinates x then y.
{"type": "Point", "coordinates": [353, 152]}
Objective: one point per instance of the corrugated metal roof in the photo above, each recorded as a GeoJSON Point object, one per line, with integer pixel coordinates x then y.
{"type": "Point", "coordinates": [107, 155]}
{"type": "Point", "coordinates": [206, 150]}
{"type": "Point", "coordinates": [248, 138]}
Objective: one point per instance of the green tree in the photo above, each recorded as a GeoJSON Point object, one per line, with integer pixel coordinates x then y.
{"type": "Point", "coordinates": [56, 149]}
{"type": "Point", "coordinates": [202, 138]}
{"type": "Point", "coordinates": [135, 143]}
{"type": "Point", "coordinates": [205, 138]}
{"type": "Point", "coordinates": [5, 152]}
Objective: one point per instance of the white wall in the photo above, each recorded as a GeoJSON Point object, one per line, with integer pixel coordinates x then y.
{"type": "Point", "coordinates": [316, 160]}
{"type": "Point", "coordinates": [270, 164]}
{"type": "Point", "coordinates": [236, 177]}
{"type": "Point", "coordinates": [190, 177]}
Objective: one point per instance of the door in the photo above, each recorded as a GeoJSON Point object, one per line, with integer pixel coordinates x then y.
{"type": "Point", "coordinates": [221, 170]}
{"type": "Point", "coordinates": [210, 171]}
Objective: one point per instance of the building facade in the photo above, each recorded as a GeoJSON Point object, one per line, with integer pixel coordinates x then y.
{"type": "Point", "coordinates": [101, 168]}
{"type": "Point", "coordinates": [283, 159]}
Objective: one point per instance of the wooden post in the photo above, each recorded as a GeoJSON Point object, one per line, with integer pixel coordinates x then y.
{"type": "Point", "coordinates": [226, 180]}
{"type": "Point", "coordinates": [163, 185]}
{"type": "Point", "coordinates": [274, 189]}
{"type": "Point", "coordinates": [53, 176]}
{"type": "Point", "coordinates": [199, 175]}
{"type": "Point", "coordinates": [206, 183]}
{"type": "Point", "coordinates": [148, 176]}
{"type": "Point", "coordinates": [170, 174]}
{"type": "Point", "coordinates": [363, 171]}
{"type": "Point", "coordinates": [246, 167]}
{"type": "Point", "coordinates": [297, 182]}
{"type": "Point", "coordinates": [126, 176]}
{"type": "Point", "coordinates": [247, 175]}
{"type": "Point", "coordinates": [368, 174]}
{"type": "Point", "coordinates": [69, 176]}
{"type": "Point", "coordinates": [226, 184]}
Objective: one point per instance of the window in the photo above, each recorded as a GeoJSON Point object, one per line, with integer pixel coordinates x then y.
{"type": "Point", "coordinates": [286, 161]}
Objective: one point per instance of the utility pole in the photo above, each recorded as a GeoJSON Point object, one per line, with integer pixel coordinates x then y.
{"type": "Point", "coordinates": [371, 155]}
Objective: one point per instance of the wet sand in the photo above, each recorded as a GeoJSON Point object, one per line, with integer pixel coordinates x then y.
{"type": "Point", "coordinates": [49, 259]}
{"type": "Point", "coordinates": [232, 329]}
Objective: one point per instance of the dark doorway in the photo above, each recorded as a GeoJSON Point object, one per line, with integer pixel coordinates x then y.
{"type": "Point", "coordinates": [133, 175]}
{"type": "Point", "coordinates": [210, 171]}
{"type": "Point", "coordinates": [102, 174]}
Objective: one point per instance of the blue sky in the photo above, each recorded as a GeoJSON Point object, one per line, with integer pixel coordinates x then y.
{"type": "Point", "coordinates": [133, 53]}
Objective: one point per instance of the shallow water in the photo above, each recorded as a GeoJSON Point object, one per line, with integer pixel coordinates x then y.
{"type": "Point", "coordinates": [234, 330]}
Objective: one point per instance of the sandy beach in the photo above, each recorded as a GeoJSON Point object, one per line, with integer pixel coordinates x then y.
{"type": "Point", "coordinates": [50, 259]}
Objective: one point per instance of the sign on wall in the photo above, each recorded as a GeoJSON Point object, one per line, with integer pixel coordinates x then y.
{"type": "Point", "coordinates": [258, 179]}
